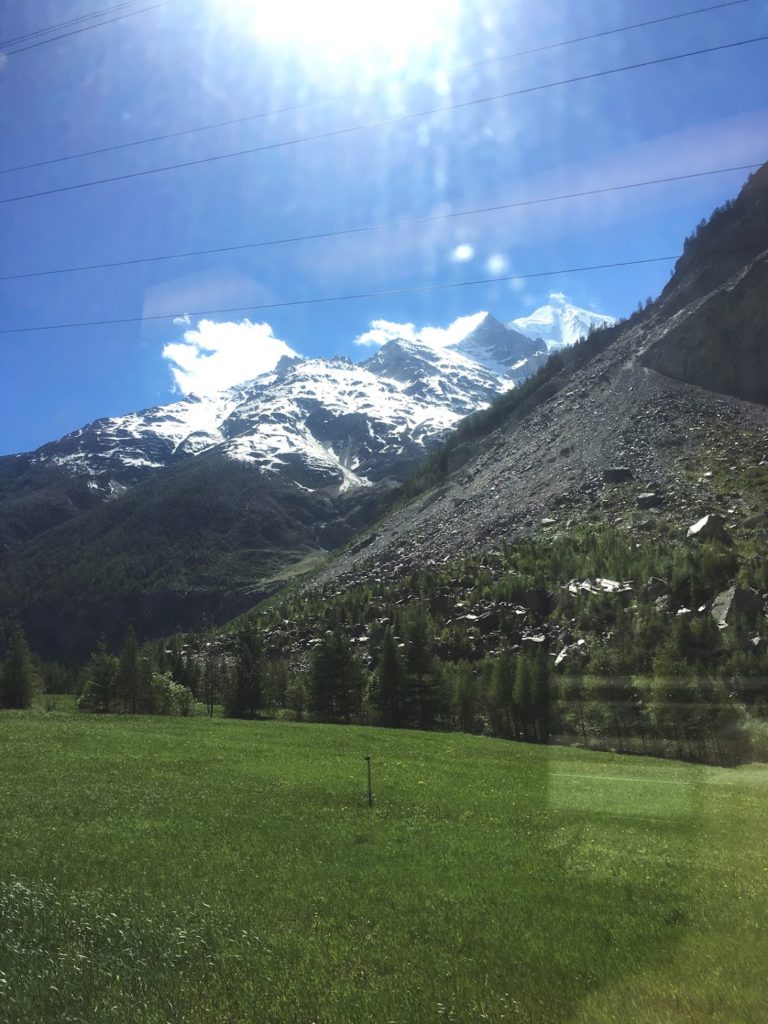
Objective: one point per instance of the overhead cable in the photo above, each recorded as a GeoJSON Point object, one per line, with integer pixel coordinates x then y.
{"type": "Point", "coordinates": [38, 32]}
{"type": "Point", "coordinates": [350, 95]}
{"type": "Point", "coordinates": [87, 28]}
{"type": "Point", "coordinates": [321, 300]}
{"type": "Point", "coordinates": [399, 119]}
{"type": "Point", "coordinates": [380, 225]}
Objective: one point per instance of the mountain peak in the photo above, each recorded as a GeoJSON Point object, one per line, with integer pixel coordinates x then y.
{"type": "Point", "coordinates": [499, 347]}
{"type": "Point", "coordinates": [558, 323]}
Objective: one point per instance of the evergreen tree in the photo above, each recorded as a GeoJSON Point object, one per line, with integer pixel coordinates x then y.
{"type": "Point", "coordinates": [570, 707]}
{"type": "Point", "coordinates": [523, 693]}
{"type": "Point", "coordinates": [723, 719]}
{"type": "Point", "coordinates": [675, 706]}
{"type": "Point", "coordinates": [146, 702]}
{"type": "Point", "coordinates": [214, 680]}
{"type": "Point", "coordinates": [540, 697]}
{"type": "Point", "coordinates": [277, 679]}
{"type": "Point", "coordinates": [101, 680]}
{"type": "Point", "coordinates": [389, 693]}
{"type": "Point", "coordinates": [335, 679]}
{"type": "Point", "coordinates": [466, 697]}
{"type": "Point", "coordinates": [612, 707]}
{"type": "Point", "coordinates": [244, 697]}
{"type": "Point", "coordinates": [418, 658]}
{"type": "Point", "coordinates": [17, 681]}
{"type": "Point", "coordinates": [504, 694]}
{"type": "Point", "coordinates": [296, 696]}
{"type": "Point", "coordinates": [128, 673]}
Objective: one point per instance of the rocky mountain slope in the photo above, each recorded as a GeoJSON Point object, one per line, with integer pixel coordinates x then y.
{"type": "Point", "coordinates": [721, 345]}
{"type": "Point", "coordinates": [658, 420]}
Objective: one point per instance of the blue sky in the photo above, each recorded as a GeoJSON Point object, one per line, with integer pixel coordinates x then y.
{"type": "Point", "coordinates": [198, 61]}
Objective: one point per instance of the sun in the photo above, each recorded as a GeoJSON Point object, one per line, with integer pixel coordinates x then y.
{"type": "Point", "coordinates": [392, 33]}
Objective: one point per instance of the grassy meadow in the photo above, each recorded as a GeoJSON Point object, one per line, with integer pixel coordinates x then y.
{"type": "Point", "coordinates": [192, 870]}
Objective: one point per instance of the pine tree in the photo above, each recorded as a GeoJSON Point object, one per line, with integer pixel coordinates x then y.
{"type": "Point", "coordinates": [335, 680]}
{"type": "Point", "coordinates": [524, 684]}
{"type": "Point", "coordinates": [466, 697]}
{"type": "Point", "coordinates": [214, 680]}
{"type": "Point", "coordinates": [418, 659]}
{"type": "Point", "coordinates": [504, 694]}
{"type": "Point", "coordinates": [101, 682]}
{"type": "Point", "coordinates": [244, 697]}
{"type": "Point", "coordinates": [128, 673]}
{"type": "Point", "coordinates": [540, 698]}
{"type": "Point", "coordinates": [390, 683]}
{"type": "Point", "coordinates": [17, 681]}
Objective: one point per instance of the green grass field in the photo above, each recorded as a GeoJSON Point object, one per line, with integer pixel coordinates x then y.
{"type": "Point", "coordinates": [187, 870]}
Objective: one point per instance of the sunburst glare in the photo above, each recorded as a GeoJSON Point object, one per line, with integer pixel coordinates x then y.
{"type": "Point", "coordinates": [392, 34]}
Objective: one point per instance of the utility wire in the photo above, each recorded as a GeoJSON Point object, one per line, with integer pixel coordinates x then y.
{"type": "Point", "coordinates": [399, 119]}
{"type": "Point", "coordinates": [37, 33]}
{"type": "Point", "coordinates": [87, 28]}
{"type": "Point", "coordinates": [336, 298]}
{"type": "Point", "coordinates": [350, 95]}
{"type": "Point", "coordinates": [431, 218]}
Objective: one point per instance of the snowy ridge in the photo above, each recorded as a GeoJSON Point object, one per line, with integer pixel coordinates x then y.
{"type": "Point", "coordinates": [323, 424]}
{"type": "Point", "coordinates": [559, 323]}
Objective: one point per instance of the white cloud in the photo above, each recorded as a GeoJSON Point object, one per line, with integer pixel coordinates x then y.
{"type": "Point", "coordinates": [382, 331]}
{"type": "Point", "coordinates": [462, 253]}
{"type": "Point", "coordinates": [182, 321]}
{"type": "Point", "coordinates": [439, 337]}
{"type": "Point", "coordinates": [214, 356]}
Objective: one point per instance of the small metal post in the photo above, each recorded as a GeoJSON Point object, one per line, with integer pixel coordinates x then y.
{"type": "Point", "coordinates": [370, 791]}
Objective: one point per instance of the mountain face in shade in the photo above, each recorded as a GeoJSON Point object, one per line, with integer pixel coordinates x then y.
{"type": "Point", "coordinates": [502, 348]}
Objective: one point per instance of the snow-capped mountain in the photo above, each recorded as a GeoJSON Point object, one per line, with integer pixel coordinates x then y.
{"type": "Point", "coordinates": [193, 505]}
{"type": "Point", "coordinates": [559, 323]}
{"type": "Point", "coordinates": [325, 426]}
{"type": "Point", "coordinates": [318, 422]}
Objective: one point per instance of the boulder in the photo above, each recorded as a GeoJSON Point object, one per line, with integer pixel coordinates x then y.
{"type": "Point", "coordinates": [488, 621]}
{"type": "Point", "coordinates": [617, 475]}
{"type": "Point", "coordinates": [655, 588]}
{"type": "Point", "coordinates": [599, 586]}
{"type": "Point", "coordinates": [538, 600]}
{"type": "Point", "coordinates": [572, 655]}
{"type": "Point", "coordinates": [710, 527]}
{"type": "Point", "coordinates": [649, 499]}
{"type": "Point", "coordinates": [735, 602]}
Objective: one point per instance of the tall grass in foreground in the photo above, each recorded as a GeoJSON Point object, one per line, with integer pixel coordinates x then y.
{"type": "Point", "coordinates": [193, 870]}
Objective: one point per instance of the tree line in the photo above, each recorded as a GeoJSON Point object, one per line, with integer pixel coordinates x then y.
{"type": "Point", "coordinates": [404, 653]}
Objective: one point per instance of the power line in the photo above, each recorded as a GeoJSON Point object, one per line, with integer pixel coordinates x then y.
{"type": "Point", "coordinates": [378, 225]}
{"type": "Point", "coordinates": [399, 119]}
{"type": "Point", "coordinates": [87, 28]}
{"type": "Point", "coordinates": [349, 95]}
{"type": "Point", "coordinates": [37, 33]}
{"type": "Point", "coordinates": [414, 289]}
